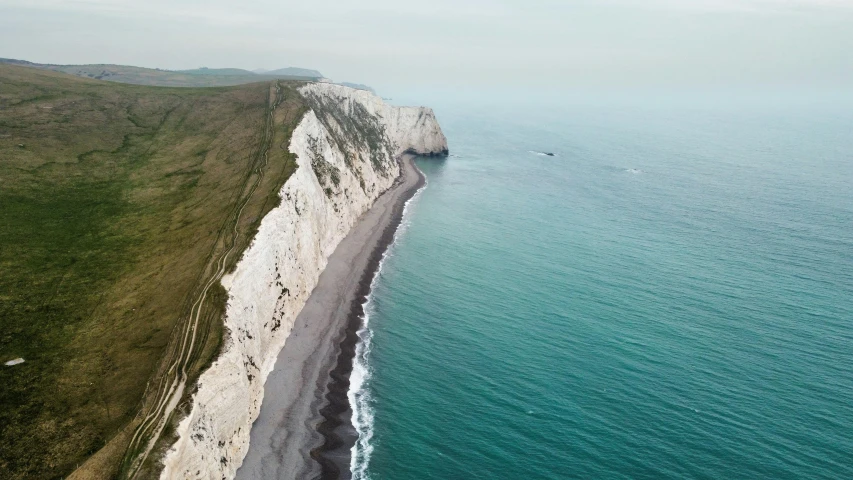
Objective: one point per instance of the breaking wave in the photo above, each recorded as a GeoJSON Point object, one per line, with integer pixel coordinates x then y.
{"type": "Point", "coordinates": [360, 398]}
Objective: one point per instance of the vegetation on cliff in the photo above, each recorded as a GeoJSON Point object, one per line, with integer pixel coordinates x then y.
{"type": "Point", "coordinates": [121, 207]}
{"type": "Point", "coordinates": [349, 123]}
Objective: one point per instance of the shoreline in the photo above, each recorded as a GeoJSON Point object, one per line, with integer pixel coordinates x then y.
{"type": "Point", "coordinates": [340, 436]}
{"type": "Point", "coordinates": [304, 427]}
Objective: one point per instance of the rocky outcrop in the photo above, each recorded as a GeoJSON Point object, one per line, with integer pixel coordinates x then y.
{"type": "Point", "coordinates": [346, 147]}
{"type": "Point", "coordinates": [413, 129]}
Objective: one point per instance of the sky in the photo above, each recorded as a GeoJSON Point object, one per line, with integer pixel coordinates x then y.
{"type": "Point", "coordinates": [387, 43]}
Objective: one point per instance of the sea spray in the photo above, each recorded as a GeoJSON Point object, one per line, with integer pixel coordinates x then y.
{"type": "Point", "coordinates": [359, 395]}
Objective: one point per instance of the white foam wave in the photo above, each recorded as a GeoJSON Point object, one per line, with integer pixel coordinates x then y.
{"type": "Point", "coordinates": [359, 396]}
{"type": "Point", "coordinates": [542, 154]}
{"type": "Point", "coordinates": [635, 171]}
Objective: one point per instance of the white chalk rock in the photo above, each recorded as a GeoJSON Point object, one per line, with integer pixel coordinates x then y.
{"type": "Point", "coordinates": [346, 148]}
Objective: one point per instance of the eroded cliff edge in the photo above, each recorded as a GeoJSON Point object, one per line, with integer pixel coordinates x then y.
{"type": "Point", "coordinates": [346, 147]}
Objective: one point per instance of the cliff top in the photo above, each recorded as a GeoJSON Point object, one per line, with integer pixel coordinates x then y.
{"type": "Point", "coordinates": [116, 198]}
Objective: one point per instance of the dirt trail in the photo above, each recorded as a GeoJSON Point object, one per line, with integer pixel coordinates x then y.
{"type": "Point", "coordinates": [173, 384]}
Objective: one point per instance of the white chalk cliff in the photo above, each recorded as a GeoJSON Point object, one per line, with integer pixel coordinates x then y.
{"type": "Point", "coordinates": [346, 147]}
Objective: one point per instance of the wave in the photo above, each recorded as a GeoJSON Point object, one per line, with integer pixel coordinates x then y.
{"type": "Point", "coordinates": [544, 154]}
{"type": "Point", "coordinates": [359, 396]}
{"type": "Point", "coordinates": [635, 171]}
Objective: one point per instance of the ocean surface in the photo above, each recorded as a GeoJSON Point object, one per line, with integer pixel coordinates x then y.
{"type": "Point", "coordinates": [669, 296]}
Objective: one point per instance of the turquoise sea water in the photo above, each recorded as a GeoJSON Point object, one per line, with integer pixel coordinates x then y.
{"type": "Point", "coordinates": [671, 296]}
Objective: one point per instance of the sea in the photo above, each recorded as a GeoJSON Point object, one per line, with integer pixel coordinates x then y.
{"type": "Point", "coordinates": [617, 287]}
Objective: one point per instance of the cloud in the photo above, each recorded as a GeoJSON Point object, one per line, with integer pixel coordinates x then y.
{"type": "Point", "coordinates": [743, 6]}
{"type": "Point", "coordinates": [475, 41]}
{"type": "Point", "coordinates": [223, 14]}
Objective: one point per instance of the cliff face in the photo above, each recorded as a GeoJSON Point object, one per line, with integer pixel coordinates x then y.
{"type": "Point", "coordinates": [346, 147]}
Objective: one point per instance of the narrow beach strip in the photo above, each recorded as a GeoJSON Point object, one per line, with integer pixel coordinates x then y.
{"type": "Point", "coordinates": [304, 428]}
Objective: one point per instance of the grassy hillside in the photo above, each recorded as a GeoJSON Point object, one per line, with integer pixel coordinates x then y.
{"type": "Point", "coordinates": [118, 203]}
{"type": "Point", "coordinates": [187, 78]}
{"type": "Point", "coordinates": [299, 72]}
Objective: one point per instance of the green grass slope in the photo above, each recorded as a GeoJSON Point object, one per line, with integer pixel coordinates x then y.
{"type": "Point", "coordinates": [116, 201]}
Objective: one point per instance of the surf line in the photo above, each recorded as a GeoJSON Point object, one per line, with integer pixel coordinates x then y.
{"type": "Point", "coordinates": [341, 427]}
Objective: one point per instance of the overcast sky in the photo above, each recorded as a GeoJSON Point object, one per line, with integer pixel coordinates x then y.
{"type": "Point", "coordinates": [548, 43]}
